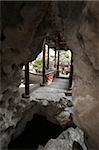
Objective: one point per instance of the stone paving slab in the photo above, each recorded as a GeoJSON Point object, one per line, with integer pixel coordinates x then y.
{"type": "Point", "coordinates": [59, 83]}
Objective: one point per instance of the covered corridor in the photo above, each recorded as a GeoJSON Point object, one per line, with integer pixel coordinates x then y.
{"type": "Point", "coordinates": [56, 73]}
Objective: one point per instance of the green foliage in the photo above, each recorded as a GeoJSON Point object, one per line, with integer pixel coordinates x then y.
{"type": "Point", "coordinates": [64, 57]}
{"type": "Point", "coordinates": [37, 64]}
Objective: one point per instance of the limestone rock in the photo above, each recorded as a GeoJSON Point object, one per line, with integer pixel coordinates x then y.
{"type": "Point", "coordinates": [13, 117]}
{"type": "Point", "coordinates": [66, 139]}
{"type": "Point", "coordinates": [22, 32]}
{"type": "Point", "coordinates": [40, 147]}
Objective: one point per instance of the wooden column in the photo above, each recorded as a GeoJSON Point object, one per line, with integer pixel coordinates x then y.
{"type": "Point", "coordinates": [43, 71]}
{"type": "Point", "coordinates": [26, 94]}
{"type": "Point", "coordinates": [48, 58]}
{"type": "Point", "coordinates": [55, 57]}
{"type": "Point", "coordinates": [71, 72]}
{"type": "Point", "coordinates": [58, 64]}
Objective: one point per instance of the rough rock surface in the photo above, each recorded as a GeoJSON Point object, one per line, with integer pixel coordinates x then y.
{"type": "Point", "coordinates": [53, 104]}
{"type": "Point", "coordinates": [22, 33]}
{"type": "Point", "coordinates": [65, 140]}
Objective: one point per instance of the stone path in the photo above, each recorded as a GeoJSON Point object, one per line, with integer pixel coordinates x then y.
{"type": "Point", "coordinates": [60, 83]}
{"type": "Point", "coordinates": [53, 92]}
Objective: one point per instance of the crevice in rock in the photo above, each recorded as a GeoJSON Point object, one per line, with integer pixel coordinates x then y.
{"type": "Point", "coordinates": [2, 37]}
{"type": "Point", "coordinates": [37, 132]}
{"type": "Point", "coordinates": [77, 146]}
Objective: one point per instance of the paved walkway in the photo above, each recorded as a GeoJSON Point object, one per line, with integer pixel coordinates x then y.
{"type": "Point", "coordinates": [60, 83]}
{"type": "Point", "coordinates": [53, 92]}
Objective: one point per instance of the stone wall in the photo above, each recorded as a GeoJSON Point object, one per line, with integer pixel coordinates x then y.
{"type": "Point", "coordinates": [24, 25]}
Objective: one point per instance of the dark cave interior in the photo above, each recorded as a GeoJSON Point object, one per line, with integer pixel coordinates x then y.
{"type": "Point", "coordinates": [37, 132]}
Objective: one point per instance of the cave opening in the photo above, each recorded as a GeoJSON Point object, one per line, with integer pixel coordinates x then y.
{"type": "Point", "coordinates": [37, 132]}
{"type": "Point", "coordinates": [53, 62]}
